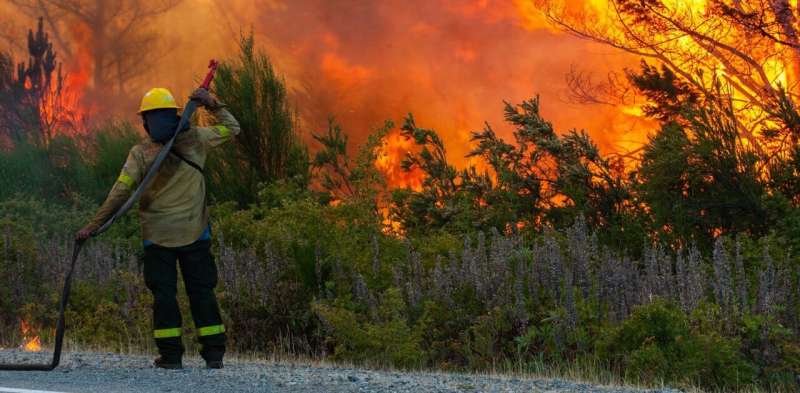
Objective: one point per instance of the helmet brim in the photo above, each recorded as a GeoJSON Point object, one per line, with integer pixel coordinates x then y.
{"type": "Point", "coordinates": [140, 111]}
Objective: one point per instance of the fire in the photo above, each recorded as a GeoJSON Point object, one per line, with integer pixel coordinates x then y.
{"type": "Point", "coordinates": [61, 107]}
{"type": "Point", "coordinates": [389, 158]}
{"type": "Point", "coordinates": [450, 63]}
{"type": "Point", "coordinates": [390, 226]}
{"type": "Point", "coordinates": [760, 68]}
{"type": "Point", "coordinates": [32, 342]}
{"type": "Point", "coordinates": [77, 81]}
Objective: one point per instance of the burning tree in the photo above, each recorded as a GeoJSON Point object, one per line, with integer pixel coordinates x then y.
{"type": "Point", "coordinates": [33, 100]}
{"type": "Point", "coordinates": [343, 177]}
{"type": "Point", "coordinates": [108, 39]}
{"type": "Point", "coordinates": [723, 79]}
{"type": "Point", "coordinates": [750, 48]}
{"type": "Point", "coordinates": [541, 177]}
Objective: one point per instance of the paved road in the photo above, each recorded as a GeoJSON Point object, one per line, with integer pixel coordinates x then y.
{"type": "Point", "coordinates": [110, 373]}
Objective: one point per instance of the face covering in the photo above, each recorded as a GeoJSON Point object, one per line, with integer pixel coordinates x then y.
{"type": "Point", "coordinates": [161, 123]}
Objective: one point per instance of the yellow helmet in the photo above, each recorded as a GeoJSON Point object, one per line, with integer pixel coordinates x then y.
{"type": "Point", "coordinates": [157, 98]}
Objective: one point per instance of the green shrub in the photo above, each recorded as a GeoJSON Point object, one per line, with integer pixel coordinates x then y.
{"type": "Point", "coordinates": [268, 148]}
{"type": "Point", "coordinates": [386, 339]}
{"type": "Point", "coordinates": [26, 169]}
{"type": "Point", "coordinates": [45, 219]}
{"type": "Point", "coordinates": [486, 342]}
{"type": "Point", "coordinates": [67, 168]}
{"type": "Point", "coordinates": [657, 342]}
{"type": "Point", "coordinates": [773, 347]}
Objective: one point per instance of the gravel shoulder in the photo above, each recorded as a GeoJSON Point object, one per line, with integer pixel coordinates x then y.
{"type": "Point", "coordinates": [92, 372]}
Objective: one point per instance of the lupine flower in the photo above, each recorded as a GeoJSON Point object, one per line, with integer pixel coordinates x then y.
{"type": "Point", "coordinates": [741, 279]}
{"type": "Point", "coordinates": [376, 261]}
{"type": "Point", "coordinates": [723, 286]}
{"type": "Point", "coordinates": [766, 284]}
{"type": "Point", "coordinates": [569, 302]}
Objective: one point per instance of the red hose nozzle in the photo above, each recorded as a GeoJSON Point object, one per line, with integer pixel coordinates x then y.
{"type": "Point", "coordinates": [212, 68]}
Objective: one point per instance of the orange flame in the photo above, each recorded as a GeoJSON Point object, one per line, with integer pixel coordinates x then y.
{"type": "Point", "coordinates": [63, 110]}
{"type": "Point", "coordinates": [32, 341]}
{"type": "Point", "coordinates": [681, 47]}
{"type": "Point", "coordinates": [390, 226]}
{"type": "Point", "coordinates": [77, 81]}
{"type": "Point", "coordinates": [389, 161]}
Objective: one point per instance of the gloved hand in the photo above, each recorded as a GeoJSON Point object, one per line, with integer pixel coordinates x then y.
{"type": "Point", "coordinates": [204, 98]}
{"type": "Point", "coordinates": [85, 233]}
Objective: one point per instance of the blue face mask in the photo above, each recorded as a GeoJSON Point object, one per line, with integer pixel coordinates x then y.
{"type": "Point", "coordinates": [160, 124]}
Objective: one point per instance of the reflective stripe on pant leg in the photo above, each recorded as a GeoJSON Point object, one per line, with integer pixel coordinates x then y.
{"type": "Point", "coordinates": [200, 277]}
{"type": "Point", "coordinates": [167, 333]}
{"type": "Point", "coordinates": [210, 330]}
{"type": "Point", "coordinates": [160, 275]}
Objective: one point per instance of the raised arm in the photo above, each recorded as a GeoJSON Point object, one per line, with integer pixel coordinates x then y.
{"type": "Point", "coordinates": [225, 125]}
{"type": "Point", "coordinates": [129, 177]}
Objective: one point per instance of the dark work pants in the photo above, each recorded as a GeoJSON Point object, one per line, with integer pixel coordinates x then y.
{"type": "Point", "coordinates": [200, 278]}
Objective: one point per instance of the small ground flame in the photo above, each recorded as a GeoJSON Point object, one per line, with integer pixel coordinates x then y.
{"type": "Point", "coordinates": [32, 342]}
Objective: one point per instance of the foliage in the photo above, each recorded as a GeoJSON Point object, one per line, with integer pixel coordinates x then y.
{"type": "Point", "coordinates": [668, 96]}
{"type": "Point", "coordinates": [27, 169]}
{"type": "Point", "coordinates": [342, 177]}
{"type": "Point", "coordinates": [658, 342]}
{"type": "Point", "coordinates": [697, 174]}
{"type": "Point", "coordinates": [268, 148]}
{"type": "Point", "coordinates": [66, 172]}
{"type": "Point", "coordinates": [386, 340]}
{"type": "Point", "coordinates": [107, 149]}
{"type": "Point", "coordinates": [542, 178]}
{"type": "Point", "coordinates": [295, 276]}
{"type": "Point", "coordinates": [771, 346]}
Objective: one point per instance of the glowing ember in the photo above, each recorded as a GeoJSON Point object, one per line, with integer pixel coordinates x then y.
{"type": "Point", "coordinates": [390, 227]}
{"type": "Point", "coordinates": [32, 342]}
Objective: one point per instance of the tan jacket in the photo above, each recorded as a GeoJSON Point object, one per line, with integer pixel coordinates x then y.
{"type": "Point", "coordinates": [173, 208]}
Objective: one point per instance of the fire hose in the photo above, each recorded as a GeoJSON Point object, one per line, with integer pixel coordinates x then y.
{"type": "Point", "coordinates": [188, 111]}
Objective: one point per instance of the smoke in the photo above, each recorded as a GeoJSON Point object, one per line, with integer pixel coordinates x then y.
{"type": "Point", "coordinates": [451, 63]}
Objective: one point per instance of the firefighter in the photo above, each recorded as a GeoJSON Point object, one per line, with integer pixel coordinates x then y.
{"type": "Point", "coordinates": [175, 225]}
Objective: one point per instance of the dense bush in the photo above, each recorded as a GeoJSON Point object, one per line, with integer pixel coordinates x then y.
{"type": "Point", "coordinates": [658, 342]}
{"type": "Point", "coordinates": [269, 147]}
{"type": "Point", "coordinates": [296, 277]}
{"type": "Point", "coordinates": [67, 169]}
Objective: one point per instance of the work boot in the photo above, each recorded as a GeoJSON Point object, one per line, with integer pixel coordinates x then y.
{"type": "Point", "coordinates": [212, 355]}
{"type": "Point", "coordinates": [214, 364]}
{"type": "Point", "coordinates": [160, 362]}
